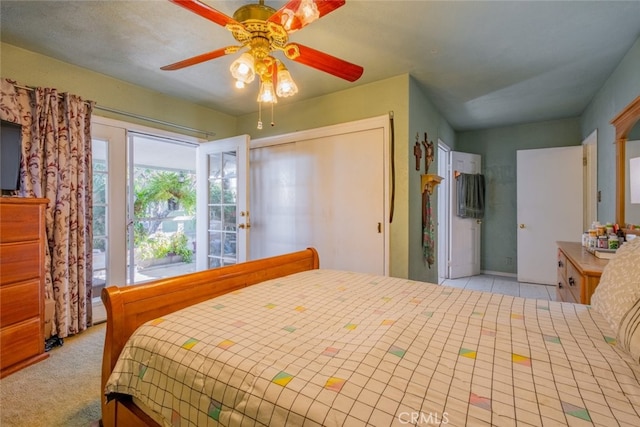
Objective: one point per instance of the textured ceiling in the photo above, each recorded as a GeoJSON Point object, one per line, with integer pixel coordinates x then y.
{"type": "Point", "coordinates": [482, 63]}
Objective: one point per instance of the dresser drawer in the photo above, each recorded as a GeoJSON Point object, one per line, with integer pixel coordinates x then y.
{"type": "Point", "coordinates": [575, 281]}
{"type": "Point", "coordinates": [562, 264]}
{"type": "Point", "coordinates": [19, 222]}
{"type": "Point", "coordinates": [20, 261]}
{"type": "Point", "coordinates": [579, 270]}
{"type": "Point", "coordinates": [21, 341]}
{"type": "Point", "coordinates": [19, 301]}
{"type": "Point", "coordinates": [564, 292]}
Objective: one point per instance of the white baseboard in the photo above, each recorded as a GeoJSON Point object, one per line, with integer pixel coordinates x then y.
{"type": "Point", "coordinates": [499, 273]}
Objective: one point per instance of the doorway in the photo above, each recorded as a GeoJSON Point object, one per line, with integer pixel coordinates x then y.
{"type": "Point", "coordinates": [444, 191]}
{"type": "Point", "coordinates": [142, 226]}
{"type": "Point", "coordinates": [464, 250]}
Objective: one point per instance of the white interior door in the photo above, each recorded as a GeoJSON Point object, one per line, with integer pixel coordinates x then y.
{"type": "Point", "coordinates": [464, 257]}
{"type": "Point", "coordinates": [223, 217]}
{"type": "Point", "coordinates": [327, 190]}
{"type": "Point", "coordinates": [549, 208]}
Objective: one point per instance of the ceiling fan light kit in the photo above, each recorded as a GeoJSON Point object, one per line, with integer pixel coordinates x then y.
{"type": "Point", "coordinates": [242, 69]}
{"type": "Point", "coordinates": [261, 30]}
{"type": "Point", "coordinates": [286, 86]}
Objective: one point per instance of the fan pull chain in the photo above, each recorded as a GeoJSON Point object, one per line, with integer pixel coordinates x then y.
{"type": "Point", "coordinates": [272, 122]}
{"type": "Point", "coordinates": [259, 115]}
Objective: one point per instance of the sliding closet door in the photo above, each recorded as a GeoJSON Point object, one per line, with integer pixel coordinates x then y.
{"type": "Point", "coordinates": [327, 192]}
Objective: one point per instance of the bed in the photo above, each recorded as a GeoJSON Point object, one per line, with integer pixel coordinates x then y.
{"type": "Point", "coordinates": [280, 341]}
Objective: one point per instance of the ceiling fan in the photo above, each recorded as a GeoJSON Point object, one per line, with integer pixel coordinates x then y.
{"type": "Point", "coordinates": [261, 30]}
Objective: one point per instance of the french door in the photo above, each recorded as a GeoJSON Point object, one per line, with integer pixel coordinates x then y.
{"type": "Point", "coordinates": [223, 216]}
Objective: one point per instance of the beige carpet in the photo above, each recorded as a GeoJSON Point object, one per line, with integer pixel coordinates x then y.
{"type": "Point", "coordinates": [63, 390]}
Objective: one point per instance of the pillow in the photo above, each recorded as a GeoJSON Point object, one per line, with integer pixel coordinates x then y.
{"type": "Point", "coordinates": [619, 287]}
{"type": "Point", "coordinates": [629, 333]}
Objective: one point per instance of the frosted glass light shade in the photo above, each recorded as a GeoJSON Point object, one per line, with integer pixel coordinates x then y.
{"type": "Point", "coordinates": [267, 93]}
{"type": "Point", "coordinates": [286, 85]}
{"type": "Point", "coordinates": [242, 69]}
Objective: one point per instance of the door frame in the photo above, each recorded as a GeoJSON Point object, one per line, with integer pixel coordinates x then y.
{"type": "Point", "coordinates": [343, 128]}
{"type": "Point", "coordinates": [117, 136]}
{"type": "Point", "coordinates": [590, 144]}
{"type": "Point", "coordinates": [444, 202]}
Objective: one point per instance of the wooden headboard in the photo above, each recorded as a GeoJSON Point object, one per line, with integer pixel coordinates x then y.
{"type": "Point", "coordinates": [130, 306]}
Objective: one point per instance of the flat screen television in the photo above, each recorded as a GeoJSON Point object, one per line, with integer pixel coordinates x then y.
{"type": "Point", "coordinates": [10, 153]}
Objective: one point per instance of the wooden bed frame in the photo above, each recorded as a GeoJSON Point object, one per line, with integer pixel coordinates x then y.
{"type": "Point", "coordinates": [129, 307]}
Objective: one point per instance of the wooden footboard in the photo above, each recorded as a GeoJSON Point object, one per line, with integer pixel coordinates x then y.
{"type": "Point", "coordinates": [129, 307]}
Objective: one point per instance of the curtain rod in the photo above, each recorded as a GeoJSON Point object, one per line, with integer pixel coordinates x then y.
{"type": "Point", "coordinates": [137, 116]}
{"type": "Point", "coordinates": [149, 119]}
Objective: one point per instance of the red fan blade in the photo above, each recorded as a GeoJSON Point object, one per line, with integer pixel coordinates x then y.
{"type": "Point", "coordinates": [200, 58]}
{"type": "Point", "coordinates": [323, 62]}
{"type": "Point", "coordinates": [205, 11]}
{"type": "Point", "coordinates": [290, 20]}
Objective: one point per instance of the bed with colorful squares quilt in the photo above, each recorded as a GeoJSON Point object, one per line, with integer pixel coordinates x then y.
{"type": "Point", "coordinates": [331, 348]}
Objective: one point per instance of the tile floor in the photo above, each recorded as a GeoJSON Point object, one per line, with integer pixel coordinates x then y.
{"type": "Point", "coordinates": [504, 285]}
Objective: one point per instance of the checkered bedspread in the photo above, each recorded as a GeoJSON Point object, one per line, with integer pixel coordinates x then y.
{"type": "Point", "coordinates": [346, 349]}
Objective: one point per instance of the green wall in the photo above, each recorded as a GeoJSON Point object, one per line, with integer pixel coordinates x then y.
{"type": "Point", "coordinates": [370, 100]}
{"type": "Point", "coordinates": [32, 69]}
{"type": "Point", "coordinates": [413, 113]}
{"type": "Point", "coordinates": [498, 148]}
{"type": "Point", "coordinates": [632, 210]}
{"type": "Point", "coordinates": [423, 117]}
{"type": "Point", "coordinates": [622, 87]}
{"type": "Point", "coordinates": [360, 102]}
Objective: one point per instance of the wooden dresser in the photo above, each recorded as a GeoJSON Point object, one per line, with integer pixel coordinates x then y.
{"type": "Point", "coordinates": [578, 273]}
{"type": "Point", "coordinates": [22, 252]}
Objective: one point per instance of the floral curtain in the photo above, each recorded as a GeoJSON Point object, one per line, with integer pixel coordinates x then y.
{"type": "Point", "coordinates": [57, 165]}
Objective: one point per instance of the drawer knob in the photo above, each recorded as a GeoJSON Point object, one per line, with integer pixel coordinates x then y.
{"type": "Point", "coordinates": [572, 282]}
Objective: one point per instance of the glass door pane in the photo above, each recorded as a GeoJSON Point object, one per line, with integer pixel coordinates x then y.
{"type": "Point", "coordinates": [100, 212]}
{"type": "Point", "coordinates": [223, 202]}
{"type": "Point", "coordinates": [223, 190]}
